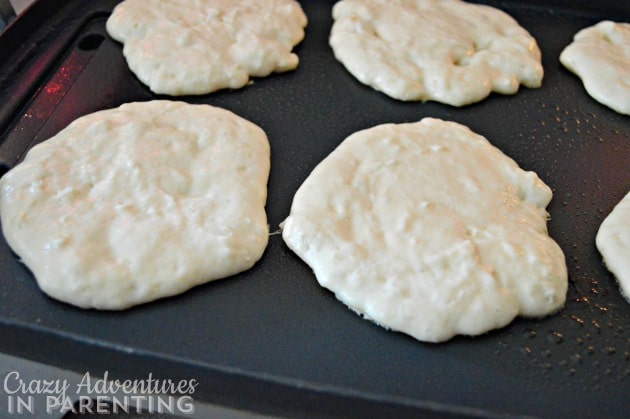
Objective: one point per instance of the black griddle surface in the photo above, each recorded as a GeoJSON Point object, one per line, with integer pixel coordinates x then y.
{"type": "Point", "coordinates": [271, 339]}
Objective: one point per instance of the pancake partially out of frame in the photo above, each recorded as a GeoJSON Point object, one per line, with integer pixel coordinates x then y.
{"type": "Point", "coordinates": [128, 205]}
{"type": "Point", "coordinates": [180, 47]}
{"type": "Point", "coordinates": [600, 56]}
{"type": "Point", "coordinates": [613, 242]}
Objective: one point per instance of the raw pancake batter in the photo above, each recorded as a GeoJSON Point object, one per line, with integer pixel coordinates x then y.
{"type": "Point", "coordinates": [428, 229]}
{"type": "Point", "coordinates": [444, 50]}
{"type": "Point", "coordinates": [600, 56]}
{"type": "Point", "coordinates": [613, 242]}
{"type": "Point", "coordinates": [140, 202]}
{"type": "Point", "coordinates": [183, 47]}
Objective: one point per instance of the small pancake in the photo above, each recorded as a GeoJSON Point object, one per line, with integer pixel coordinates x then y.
{"type": "Point", "coordinates": [600, 56]}
{"type": "Point", "coordinates": [443, 50]}
{"type": "Point", "coordinates": [613, 242]}
{"type": "Point", "coordinates": [182, 47]}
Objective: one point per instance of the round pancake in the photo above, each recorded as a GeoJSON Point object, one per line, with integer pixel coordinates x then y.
{"type": "Point", "coordinates": [443, 50]}
{"type": "Point", "coordinates": [140, 202]}
{"type": "Point", "coordinates": [428, 229]}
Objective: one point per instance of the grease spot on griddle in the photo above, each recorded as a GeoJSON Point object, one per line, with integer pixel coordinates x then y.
{"type": "Point", "coordinates": [555, 338]}
{"type": "Point", "coordinates": [610, 350]}
{"type": "Point", "coordinates": [577, 321]}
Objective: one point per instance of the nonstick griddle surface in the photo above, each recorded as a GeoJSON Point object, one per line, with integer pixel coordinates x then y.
{"type": "Point", "coordinates": [271, 339]}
